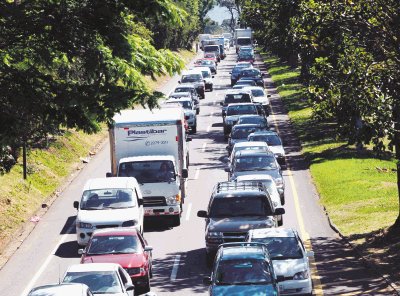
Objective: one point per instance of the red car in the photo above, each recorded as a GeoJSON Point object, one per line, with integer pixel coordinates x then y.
{"type": "Point", "coordinates": [210, 56]}
{"type": "Point", "coordinates": [125, 246]}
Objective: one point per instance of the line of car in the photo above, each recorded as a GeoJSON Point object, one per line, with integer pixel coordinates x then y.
{"type": "Point", "coordinates": [248, 253]}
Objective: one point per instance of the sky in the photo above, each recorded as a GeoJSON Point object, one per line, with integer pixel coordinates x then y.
{"type": "Point", "coordinates": [219, 14]}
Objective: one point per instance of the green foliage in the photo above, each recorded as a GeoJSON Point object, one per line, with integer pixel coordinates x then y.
{"type": "Point", "coordinates": [76, 63]}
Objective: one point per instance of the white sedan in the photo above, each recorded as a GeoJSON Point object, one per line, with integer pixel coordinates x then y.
{"type": "Point", "coordinates": [289, 258]}
{"type": "Point", "coordinates": [259, 96]}
{"type": "Point", "coordinates": [101, 278]}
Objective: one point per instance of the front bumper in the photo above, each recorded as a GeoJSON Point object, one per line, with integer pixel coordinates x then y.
{"type": "Point", "coordinates": [295, 287]}
{"type": "Point", "coordinates": [162, 211]}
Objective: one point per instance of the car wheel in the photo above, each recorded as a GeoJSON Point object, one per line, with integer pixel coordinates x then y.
{"type": "Point", "coordinates": [211, 88]}
{"type": "Point", "coordinates": [282, 199]}
{"type": "Point", "coordinates": [194, 129]}
{"type": "Point", "coordinates": [197, 111]}
{"type": "Point", "coordinates": [145, 288]}
{"type": "Point", "coordinates": [280, 221]}
{"type": "Point", "coordinates": [176, 220]}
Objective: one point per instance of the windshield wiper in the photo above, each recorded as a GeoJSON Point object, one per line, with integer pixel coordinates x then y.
{"type": "Point", "coordinates": [253, 283]}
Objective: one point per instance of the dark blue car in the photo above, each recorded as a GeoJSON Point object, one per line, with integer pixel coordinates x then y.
{"type": "Point", "coordinates": [243, 269]}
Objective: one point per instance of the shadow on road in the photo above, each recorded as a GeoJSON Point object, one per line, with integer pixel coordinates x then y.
{"type": "Point", "coordinates": [68, 250]}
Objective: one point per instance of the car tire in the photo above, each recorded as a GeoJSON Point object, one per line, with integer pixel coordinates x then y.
{"type": "Point", "coordinates": [211, 88]}
{"type": "Point", "coordinates": [194, 129]}
{"type": "Point", "coordinates": [198, 111]}
{"type": "Point", "coordinates": [282, 199]}
{"type": "Point", "coordinates": [176, 220]}
{"type": "Point", "coordinates": [280, 222]}
{"type": "Point", "coordinates": [145, 288]}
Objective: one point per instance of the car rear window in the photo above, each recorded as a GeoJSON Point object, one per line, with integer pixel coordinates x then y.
{"type": "Point", "coordinates": [237, 98]}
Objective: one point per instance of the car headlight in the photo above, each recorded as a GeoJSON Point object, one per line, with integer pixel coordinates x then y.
{"type": "Point", "coordinates": [214, 237]}
{"type": "Point", "coordinates": [135, 270]}
{"type": "Point", "coordinates": [85, 225]}
{"type": "Point", "coordinates": [302, 275]}
{"type": "Point", "coordinates": [279, 182]}
{"type": "Point", "coordinates": [173, 200]}
{"type": "Point", "coordinates": [129, 223]}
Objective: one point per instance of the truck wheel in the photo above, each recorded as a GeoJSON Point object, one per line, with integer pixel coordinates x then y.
{"type": "Point", "coordinates": [176, 220]}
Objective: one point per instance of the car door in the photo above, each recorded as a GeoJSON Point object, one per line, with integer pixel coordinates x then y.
{"type": "Point", "coordinates": [139, 200]}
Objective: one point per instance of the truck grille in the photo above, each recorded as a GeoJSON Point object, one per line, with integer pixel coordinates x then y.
{"type": "Point", "coordinates": [154, 201]}
{"type": "Point", "coordinates": [234, 237]}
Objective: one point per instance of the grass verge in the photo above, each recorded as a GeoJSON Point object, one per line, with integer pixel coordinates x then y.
{"type": "Point", "coordinates": [48, 169]}
{"type": "Point", "coordinates": [358, 189]}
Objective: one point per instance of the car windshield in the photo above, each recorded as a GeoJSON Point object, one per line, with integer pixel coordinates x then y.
{"type": "Point", "coordinates": [255, 163]}
{"type": "Point", "coordinates": [242, 132]}
{"type": "Point", "coordinates": [243, 271]}
{"type": "Point", "coordinates": [154, 171]}
{"type": "Point", "coordinates": [240, 206]}
{"type": "Point", "coordinates": [245, 55]}
{"type": "Point", "coordinates": [271, 140]}
{"type": "Point", "coordinates": [250, 73]}
{"type": "Point", "coordinates": [241, 109]}
{"type": "Point", "coordinates": [110, 198]}
{"type": "Point", "coordinates": [262, 148]}
{"type": "Point", "coordinates": [113, 244]}
{"type": "Point", "coordinates": [209, 55]}
{"type": "Point", "coordinates": [191, 78]}
{"type": "Point", "coordinates": [206, 74]}
{"type": "Point", "coordinates": [257, 92]}
{"type": "Point", "coordinates": [183, 89]}
{"type": "Point", "coordinates": [237, 98]}
{"type": "Point", "coordinates": [99, 282]}
{"type": "Point", "coordinates": [211, 48]}
{"type": "Point", "coordinates": [253, 120]}
{"type": "Point", "coordinates": [243, 41]}
{"type": "Point", "coordinates": [281, 248]}
{"type": "Point", "coordinates": [184, 104]}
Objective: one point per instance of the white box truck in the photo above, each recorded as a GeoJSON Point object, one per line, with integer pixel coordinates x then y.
{"type": "Point", "coordinates": [243, 37]}
{"type": "Point", "coordinates": [151, 145]}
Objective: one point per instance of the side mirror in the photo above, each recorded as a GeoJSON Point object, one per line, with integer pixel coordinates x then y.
{"type": "Point", "coordinates": [185, 173]}
{"type": "Point", "coordinates": [81, 251]}
{"type": "Point", "coordinates": [108, 175]}
{"type": "Point", "coordinates": [129, 287]}
{"type": "Point", "coordinates": [179, 82]}
{"type": "Point", "coordinates": [281, 191]}
{"type": "Point", "coordinates": [140, 202]}
{"type": "Point", "coordinates": [227, 147]}
{"type": "Point", "coordinates": [310, 254]}
{"type": "Point", "coordinates": [268, 96]}
{"type": "Point", "coordinates": [207, 280]}
{"type": "Point", "coordinates": [202, 214]}
{"type": "Point", "coordinates": [76, 204]}
{"type": "Point", "coordinates": [280, 278]}
{"type": "Point", "coordinates": [227, 170]}
{"type": "Point", "coordinates": [148, 248]}
{"type": "Point", "coordinates": [212, 76]}
{"type": "Point", "coordinates": [230, 72]}
{"type": "Point", "coordinates": [279, 211]}
{"type": "Point", "coordinates": [188, 139]}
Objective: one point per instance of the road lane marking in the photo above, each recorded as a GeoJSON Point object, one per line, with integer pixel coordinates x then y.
{"type": "Point", "coordinates": [188, 210]}
{"type": "Point", "coordinates": [305, 236]}
{"type": "Point", "coordinates": [47, 261]}
{"type": "Point", "coordinates": [196, 175]}
{"type": "Point", "coordinates": [209, 128]}
{"type": "Point", "coordinates": [203, 149]}
{"type": "Point", "coordinates": [175, 267]}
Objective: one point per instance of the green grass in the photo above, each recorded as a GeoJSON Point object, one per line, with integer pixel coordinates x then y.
{"type": "Point", "coordinates": [358, 190]}
{"type": "Point", "coordinates": [48, 168]}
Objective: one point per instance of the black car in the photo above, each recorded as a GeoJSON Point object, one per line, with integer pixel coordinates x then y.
{"type": "Point", "coordinates": [253, 74]}
{"type": "Point", "coordinates": [234, 111]}
{"type": "Point", "coordinates": [239, 133]}
{"type": "Point", "coordinates": [236, 71]}
{"type": "Point", "coordinates": [235, 208]}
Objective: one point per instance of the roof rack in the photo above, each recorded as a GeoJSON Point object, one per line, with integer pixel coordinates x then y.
{"type": "Point", "coordinates": [241, 185]}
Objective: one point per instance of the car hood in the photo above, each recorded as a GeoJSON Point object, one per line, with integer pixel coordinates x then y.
{"type": "Point", "coordinates": [125, 260]}
{"type": "Point", "coordinates": [243, 290]}
{"type": "Point", "coordinates": [273, 173]}
{"type": "Point", "coordinates": [289, 267]}
{"type": "Point", "coordinates": [239, 224]}
{"type": "Point", "coordinates": [262, 100]}
{"type": "Point", "coordinates": [232, 118]}
{"type": "Point", "coordinates": [107, 216]}
{"type": "Point", "coordinates": [208, 80]}
{"type": "Point", "coordinates": [277, 149]}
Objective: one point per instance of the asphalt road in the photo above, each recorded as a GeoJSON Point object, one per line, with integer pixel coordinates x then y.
{"type": "Point", "coordinates": [179, 255]}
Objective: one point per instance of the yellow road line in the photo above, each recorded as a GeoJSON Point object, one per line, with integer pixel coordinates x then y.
{"type": "Point", "coordinates": [305, 236]}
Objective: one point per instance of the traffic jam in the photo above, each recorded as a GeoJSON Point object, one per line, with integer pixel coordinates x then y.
{"type": "Point", "coordinates": [248, 249]}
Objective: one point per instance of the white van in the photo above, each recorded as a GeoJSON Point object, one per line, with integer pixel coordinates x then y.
{"type": "Point", "coordinates": [106, 203]}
